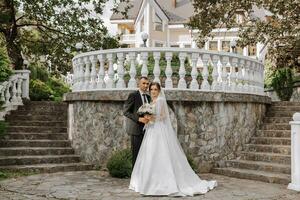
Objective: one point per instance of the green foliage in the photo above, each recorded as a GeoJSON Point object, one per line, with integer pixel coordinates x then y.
{"type": "Point", "coordinates": [4, 174]}
{"type": "Point", "coordinates": [43, 86]}
{"type": "Point", "coordinates": [282, 83]}
{"type": "Point", "coordinates": [192, 162]}
{"type": "Point", "coordinates": [3, 128]}
{"type": "Point", "coordinates": [58, 87]}
{"type": "Point", "coordinates": [279, 30]}
{"type": "Point", "coordinates": [5, 69]}
{"type": "Point", "coordinates": [269, 74]}
{"type": "Point", "coordinates": [39, 72]}
{"type": "Point", "coordinates": [52, 29]}
{"type": "Point", "coordinates": [120, 164]}
{"type": "Point", "coordinates": [39, 90]}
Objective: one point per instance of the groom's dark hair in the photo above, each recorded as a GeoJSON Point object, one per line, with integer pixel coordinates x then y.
{"type": "Point", "coordinates": [144, 77]}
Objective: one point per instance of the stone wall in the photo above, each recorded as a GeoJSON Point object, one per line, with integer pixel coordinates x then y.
{"type": "Point", "coordinates": [211, 127]}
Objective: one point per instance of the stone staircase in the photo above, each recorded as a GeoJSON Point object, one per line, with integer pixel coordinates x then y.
{"type": "Point", "coordinates": [37, 140]}
{"type": "Point", "coordinates": [268, 155]}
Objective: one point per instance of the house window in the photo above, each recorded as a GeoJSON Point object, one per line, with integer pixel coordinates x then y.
{"type": "Point", "coordinates": [252, 50]}
{"type": "Point", "coordinates": [240, 18]}
{"type": "Point", "coordinates": [187, 46]}
{"type": "Point", "coordinates": [213, 45]}
{"type": "Point", "coordinates": [158, 44]}
{"type": "Point", "coordinates": [158, 23]}
{"type": "Point", "coordinates": [226, 46]}
{"type": "Point", "coordinates": [175, 45]}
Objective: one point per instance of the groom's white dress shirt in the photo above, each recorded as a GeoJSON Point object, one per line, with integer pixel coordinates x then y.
{"type": "Point", "coordinates": [141, 93]}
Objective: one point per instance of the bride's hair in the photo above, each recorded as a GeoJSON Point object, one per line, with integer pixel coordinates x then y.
{"type": "Point", "coordinates": [156, 84]}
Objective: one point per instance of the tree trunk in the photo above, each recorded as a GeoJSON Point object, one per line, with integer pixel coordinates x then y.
{"type": "Point", "coordinates": [14, 53]}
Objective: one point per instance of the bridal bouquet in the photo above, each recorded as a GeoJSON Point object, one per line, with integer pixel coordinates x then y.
{"type": "Point", "coordinates": [146, 109]}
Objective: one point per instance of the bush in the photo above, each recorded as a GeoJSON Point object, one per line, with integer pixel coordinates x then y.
{"type": "Point", "coordinates": [5, 70]}
{"type": "Point", "coordinates": [191, 162]}
{"type": "Point", "coordinates": [39, 72]}
{"type": "Point", "coordinates": [40, 91]}
{"type": "Point", "coordinates": [58, 87]}
{"type": "Point", "coordinates": [3, 128]}
{"type": "Point", "coordinates": [282, 83]}
{"type": "Point", "coordinates": [120, 164]}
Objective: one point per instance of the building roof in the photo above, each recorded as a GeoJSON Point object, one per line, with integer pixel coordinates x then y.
{"type": "Point", "coordinates": [177, 15]}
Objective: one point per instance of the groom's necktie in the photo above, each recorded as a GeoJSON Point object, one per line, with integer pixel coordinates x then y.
{"type": "Point", "coordinates": [145, 98]}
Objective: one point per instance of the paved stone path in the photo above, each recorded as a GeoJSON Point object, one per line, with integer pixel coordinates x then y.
{"type": "Point", "coordinates": [98, 185]}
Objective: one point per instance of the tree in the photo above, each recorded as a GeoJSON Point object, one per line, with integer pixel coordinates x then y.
{"type": "Point", "coordinates": [51, 29]}
{"type": "Point", "coordinates": [279, 30]}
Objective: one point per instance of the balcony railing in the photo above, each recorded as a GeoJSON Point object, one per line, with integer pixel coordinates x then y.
{"type": "Point", "coordinates": [220, 71]}
{"type": "Point", "coordinates": [128, 38]}
{"type": "Point", "coordinates": [13, 91]}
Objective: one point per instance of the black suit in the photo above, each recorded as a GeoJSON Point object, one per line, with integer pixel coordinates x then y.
{"type": "Point", "coordinates": [133, 126]}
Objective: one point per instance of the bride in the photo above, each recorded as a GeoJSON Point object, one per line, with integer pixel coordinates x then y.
{"type": "Point", "coordinates": [161, 167]}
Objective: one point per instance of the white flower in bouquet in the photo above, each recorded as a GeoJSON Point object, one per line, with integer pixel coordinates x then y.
{"type": "Point", "coordinates": [146, 109]}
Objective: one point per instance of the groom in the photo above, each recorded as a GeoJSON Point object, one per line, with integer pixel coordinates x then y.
{"type": "Point", "coordinates": [134, 123]}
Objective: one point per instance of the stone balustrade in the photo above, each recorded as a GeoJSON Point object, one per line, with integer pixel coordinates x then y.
{"type": "Point", "coordinates": [220, 71]}
{"type": "Point", "coordinates": [295, 153]}
{"type": "Point", "coordinates": [13, 91]}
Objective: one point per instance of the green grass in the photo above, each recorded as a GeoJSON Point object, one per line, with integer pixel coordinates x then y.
{"type": "Point", "coordinates": [4, 174]}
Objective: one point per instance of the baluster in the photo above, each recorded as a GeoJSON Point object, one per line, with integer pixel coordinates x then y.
{"type": "Point", "coordinates": [241, 75]}
{"type": "Point", "coordinates": [110, 81]}
{"type": "Point", "coordinates": [93, 84]}
{"type": "Point", "coordinates": [255, 77]}
{"type": "Point", "coordinates": [224, 63]}
{"type": "Point", "coordinates": [121, 82]}
{"type": "Point", "coordinates": [87, 73]}
{"type": "Point", "coordinates": [262, 78]}
{"type": "Point", "coordinates": [74, 65]}
{"type": "Point", "coordinates": [194, 73]}
{"type": "Point", "coordinates": [215, 73]}
{"type": "Point", "coordinates": [156, 70]}
{"type": "Point", "coordinates": [132, 72]}
{"type": "Point", "coordinates": [101, 73]}
{"type": "Point", "coordinates": [14, 98]}
{"type": "Point", "coordinates": [19, 90]}
{"type": "Point", "coordinates": [81, 74]}
{"type": "Point", "coordinates": [144, 57]}
{"type": "Point", "coordinates": [233, 77]}
{"type": "Point", "coordinates": [7, 95]}
{"type": "Point", "coordinates": [169, 72]}
{"type": "Point", "coordinates": [205, 60]}
{"type": "Point", "coordinates": [246, 77]}
{"type": "Point", "coordinates": [182, 72]}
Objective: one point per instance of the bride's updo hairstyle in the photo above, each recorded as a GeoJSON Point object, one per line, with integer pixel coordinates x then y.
{"type": "Point", "coordinates": [156, 84]}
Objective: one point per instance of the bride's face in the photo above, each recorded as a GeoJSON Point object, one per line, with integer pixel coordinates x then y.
{"type": "Point", "coordinates": [154, 91]}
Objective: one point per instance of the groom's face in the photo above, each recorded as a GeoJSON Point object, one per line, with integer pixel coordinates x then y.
{"type": "Point", "coordinates": [143, 85]}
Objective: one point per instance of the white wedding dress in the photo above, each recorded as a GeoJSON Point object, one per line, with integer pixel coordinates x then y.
{"type": "Point", "coordinates": [161, 166]}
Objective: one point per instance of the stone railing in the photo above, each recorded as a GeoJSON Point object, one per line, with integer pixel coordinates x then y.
{"type": "Point", "coordinates": [220, 71]}
{"type": "Point", "coordinates": [295, 153]}
{"type": "Point", "coordinates": [13, 91]}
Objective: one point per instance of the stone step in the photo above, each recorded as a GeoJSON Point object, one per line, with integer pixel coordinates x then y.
{"type": "Point", "coordinates": [20, 151]}
{"type": "Point", "coordinates": [274, 133]}
{"type": "Point", "coordinates": [47, 118]}
{"type": "Point", "coordinates": [283, 126]}
{"type": "Point", "coordinates": [268, 177]}
{"type": "Point", "coordinates": [44, 103]}
{"type": "Point", "coordinates": [30, 160]}
{"type": "Point", "coordinates": [284, 113]}
{"type": "Point", "coordinates": [48, 168]}
{"type": "Point", "coordinates": [280, 149]}
{"type": "Point", "coordinates": [288, 108]}
{"type": "Point", "coordinates": [36, 136]}
{"type": "Point", "coordinates": [261, 166]}
{"type": "Point", "coordinates": [46, 108]}
{"type": "Point", "coordinates": [271, 140]}
{"type": "Point", "coordinates": [285, 103]}
{"type": "Point", "coordinates": [275, 120]}
{"type": "Point", "coordinates": [38, 123]}
{"type": "Point", "coordinates": [35, 143]}
{"type": "Point", "coordinates": [38, 112]}
{"type": "Point", "coordinates": [266, 157]}
{"type": "Point", "coordinates": [36, 129]}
